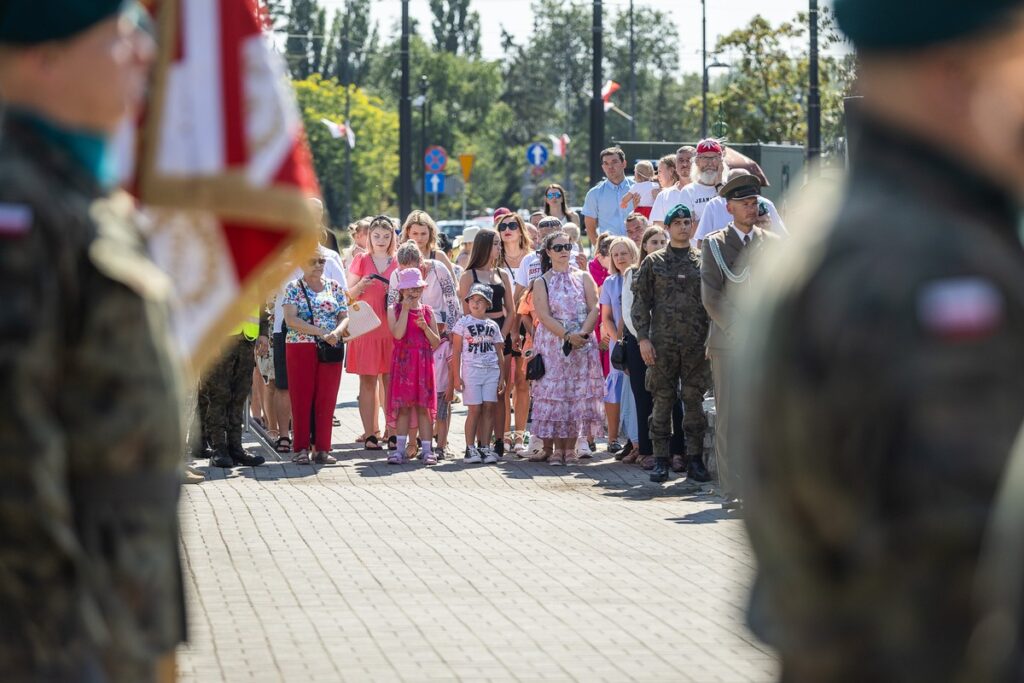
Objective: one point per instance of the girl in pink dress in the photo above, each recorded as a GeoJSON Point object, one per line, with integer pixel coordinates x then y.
{"type": "Point", "coordinates": [369, 356]}
{"type": "Point", "coordinates": [411, 387]}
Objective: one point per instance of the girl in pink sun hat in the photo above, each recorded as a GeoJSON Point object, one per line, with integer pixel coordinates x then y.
{"type": "Point", "coordinates": [411, 382]}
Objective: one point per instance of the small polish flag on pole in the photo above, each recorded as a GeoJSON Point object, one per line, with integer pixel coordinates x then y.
{"type": "Point", "coordinates": [339, 130]}
{"type": "Point", "coordinates": [559, 145]}
{"type": "Point", "coordinates": [609, 89]}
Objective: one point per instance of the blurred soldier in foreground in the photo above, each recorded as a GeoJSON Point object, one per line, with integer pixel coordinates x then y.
{"type": "Point", "coordinates": [884, 368]}
{"type": "Point", "coordinates": [90, 425]}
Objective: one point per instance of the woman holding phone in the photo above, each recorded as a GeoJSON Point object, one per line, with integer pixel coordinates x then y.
{"type": "Point", "coordinates": [567, 400]}
{"type": "Point", "coordinates": [369, 356]}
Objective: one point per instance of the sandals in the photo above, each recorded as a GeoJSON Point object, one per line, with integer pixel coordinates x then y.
{"type": "Point", "coordinates": [301, 458]}
{"type": "Point", "coordinates": [539, 456]}
{"type": "Point", "coordinates": [393, 443]}
{"type": "Point", "coordinates": [324, 458]}
{"type": "Point", "coordinates": [396, 459]}
{"type": "Point", "coordinates": [283, 445]}
{"type": "Point", "coordinates": [572, 458]}
{"type": "Point", "coordinates": [372, 443]}
{"type": "Point", "coordinates": [557, 459]}
{"type": "Point", "coordinates": [518, 443]}
{"type": "Point", "coordinates": [335, 421]}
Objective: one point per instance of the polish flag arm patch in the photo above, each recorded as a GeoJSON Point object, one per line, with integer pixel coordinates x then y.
{"type": "Point", "coordinates": [960, 308]}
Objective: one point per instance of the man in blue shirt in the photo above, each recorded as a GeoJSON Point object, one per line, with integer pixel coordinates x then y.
{"type": "Point", "coordinates": [603, 210]}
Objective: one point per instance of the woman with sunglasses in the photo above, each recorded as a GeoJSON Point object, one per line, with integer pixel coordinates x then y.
{"type": "Point", "coordinates": [556, 204]}
{"type": "Point", "coordinates": [567, 399]}
{"type": "Point", "coordinates": [369, 356]}
{"type": "Point", "coordinates": [515, 248]}
{"type": "Point", "coordinates": [483, 267]}
{"type": "Point", "coordinates": [314, 307]}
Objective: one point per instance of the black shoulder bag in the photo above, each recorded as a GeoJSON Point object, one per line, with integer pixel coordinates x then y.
{"type": "Point", "coordinates": [535, 366]}
{"type": "Point", "coordinates": [325, 353]}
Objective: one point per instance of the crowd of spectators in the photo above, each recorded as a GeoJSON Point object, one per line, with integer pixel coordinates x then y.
{"type": "Point", "coordinates": [551, 349]}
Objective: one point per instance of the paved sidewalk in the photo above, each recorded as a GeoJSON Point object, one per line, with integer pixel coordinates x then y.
{"type": "Point", "coordinates": [362, 571]}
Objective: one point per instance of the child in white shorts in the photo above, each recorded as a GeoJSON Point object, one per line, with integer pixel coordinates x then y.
{"type": "Point", "coordinates": [478, 371]}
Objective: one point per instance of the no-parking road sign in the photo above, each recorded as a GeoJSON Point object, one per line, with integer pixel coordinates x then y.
{"type": "Point", "coordinates": [435, 159]}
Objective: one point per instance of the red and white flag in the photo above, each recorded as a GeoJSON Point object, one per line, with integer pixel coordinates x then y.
{"type": "Point", "coordinates": [559, 145]}
{"type": "Point", "coordinates": [609, 89]}
{"type": "Point", "coordinates": [224, 170]}
{"type": "Point", "coordinates": [341, 130]}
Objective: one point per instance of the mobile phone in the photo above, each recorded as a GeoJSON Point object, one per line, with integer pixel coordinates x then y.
{"type": "Point", "coordinates": [374, 276]}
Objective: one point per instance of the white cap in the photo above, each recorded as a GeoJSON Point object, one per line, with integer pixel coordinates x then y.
{"type": "Point", "coordinates": [469, 234]}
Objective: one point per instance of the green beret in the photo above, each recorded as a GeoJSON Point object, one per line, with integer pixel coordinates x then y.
{"type": "Point", "coordinates": [893, 25]}
{"type": "Point", "coordinates": [677, 211]}
{"type": "Point", "coordinates": [26, 23]}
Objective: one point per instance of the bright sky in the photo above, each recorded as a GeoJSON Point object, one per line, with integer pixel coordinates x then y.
{"type": "Point", "coordinates": [515, 17]}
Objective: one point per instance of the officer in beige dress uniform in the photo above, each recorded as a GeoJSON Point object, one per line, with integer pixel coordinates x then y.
{"type": "Point", "coordinates": [726, 259]}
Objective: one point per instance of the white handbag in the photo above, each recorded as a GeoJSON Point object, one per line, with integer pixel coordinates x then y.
{"type": "Point", "coordinates": [361, 319]}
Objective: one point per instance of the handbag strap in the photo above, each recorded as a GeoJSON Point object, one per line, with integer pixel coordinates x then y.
{"type": "Point", "coordinates": [312, 317]}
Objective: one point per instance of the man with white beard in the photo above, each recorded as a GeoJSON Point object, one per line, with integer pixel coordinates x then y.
{"type": "Point", "coordinates": [706, 175]}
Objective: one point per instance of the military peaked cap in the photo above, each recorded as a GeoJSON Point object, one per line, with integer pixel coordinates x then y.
{"type": "Point", "coordinates": [894, 25]}
{"type": "Point", "coordinates": [741, 187]}
{"type": "Point", "coordinates": [26, 22]}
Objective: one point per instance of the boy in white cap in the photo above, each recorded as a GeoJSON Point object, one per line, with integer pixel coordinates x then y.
{"type": "Point", "coordinates": [478, 371]}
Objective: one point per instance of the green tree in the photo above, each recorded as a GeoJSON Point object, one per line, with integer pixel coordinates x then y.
{"type": "Point", "coordinates": [764, 98]}
{"type": "Point", "coordinates": [301, 29]}
{"type": "Point", "coordinates": [354, 39]}
{"type": "Point", "coordinates": [456, 27]}
{"type": "Point", "coordinates": [375, 157]}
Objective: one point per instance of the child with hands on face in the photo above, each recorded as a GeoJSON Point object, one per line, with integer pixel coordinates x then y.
{"type": "Point", "coordinates": [478, 372]}
{"type": "Point", "coordinates": [411, 380]}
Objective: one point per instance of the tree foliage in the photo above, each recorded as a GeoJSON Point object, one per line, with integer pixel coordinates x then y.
{"type": "Point", "coordinates": [541, 86]}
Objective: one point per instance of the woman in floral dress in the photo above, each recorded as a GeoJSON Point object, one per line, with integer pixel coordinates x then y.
{"type": "Point", "coordinates": [567, 400]}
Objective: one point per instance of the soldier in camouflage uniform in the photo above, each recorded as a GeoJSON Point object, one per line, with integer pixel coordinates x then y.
{"type": "Point", "coordinates": [671, 327]}
{"type": "Point", "coordinates": [884, 364]}
{"type": "Point", "coordinates": [91, 420]}
{"type": "Point", "coordinates": [223, 392]}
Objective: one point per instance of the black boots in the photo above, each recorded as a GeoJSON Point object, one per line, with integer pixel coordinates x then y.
{"type": "Point", "coordinates": [220, 457]}
{"type": "Point", "coordinates": [696, 470]}
{"type": "Point", "coordinates": [660, 472]}
{"type": "Point", "coordinates": [240, 457]}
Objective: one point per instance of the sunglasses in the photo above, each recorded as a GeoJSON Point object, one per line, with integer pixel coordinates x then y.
{"type": "Point", "coordinates": [561, 247]}
{"type": "Point", "coordinates": [502, 227]}
{"type": "Point", "coordinates": [317, 261]}
{"type": "Point", "coordinates": [554, 195]}
{"type": "Point", "coordinates": [549, 224]}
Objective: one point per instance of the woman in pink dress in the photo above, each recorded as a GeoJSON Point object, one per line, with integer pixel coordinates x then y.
{"type": "Point", "coordinates": [567, 400]}
{"type": "Point", "coordinates": [369, 356]}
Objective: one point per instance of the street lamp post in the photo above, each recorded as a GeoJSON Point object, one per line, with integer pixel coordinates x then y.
{"type": "Point", "coordinates": [704, 95]}
{"type": "Point", "coordinates": [704, 68]}
{"type": "Point", "coordinates": [422, 103]}
{"type": "Point", "coordinates": [404, 123]}
{"type": "Point", "coordinates": [813, 94]}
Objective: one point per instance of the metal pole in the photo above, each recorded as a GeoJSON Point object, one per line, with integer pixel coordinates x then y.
{"type": "Point", "coordinates": [405, 124]}
{"type": "Point", "coordinates": [423, 135]}
{"type": "Point", "coordinates": [346, 211]}
{"type": "Point", "coordinates": [596, 103]}
{"type": "Point", "coordinates": [632, 75]}
{"type": "Point", "coordinates": [704, 62]}
{"type": "Point", "coordinates": [813, 94]}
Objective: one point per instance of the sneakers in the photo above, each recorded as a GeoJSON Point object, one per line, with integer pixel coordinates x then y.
{"type": "Point", "coordinates": [535, 448]}
{"type": "Point", "coordinates": [192, 476]}
{"type": "Point", "coordinates": [473, 456]}
{"type": "Point", "coordinates": [583, 448]}
{"type": "Point", "coordinates": [490, 457]}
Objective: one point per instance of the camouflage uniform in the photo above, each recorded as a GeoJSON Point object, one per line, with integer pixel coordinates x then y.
{"type": "Point", "coordinates": [884, 374]}
{"type": "Point", "coordinates": [223, 391]}
{"type": "Point", "coordinates": [90, 428]}
{"type": "Point", "coordinates": [668, 311]}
